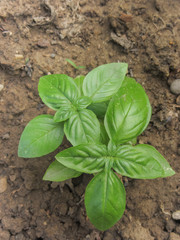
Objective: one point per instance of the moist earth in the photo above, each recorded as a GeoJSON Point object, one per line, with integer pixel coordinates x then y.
{"type": "Point", "coordinates": [36, 37]}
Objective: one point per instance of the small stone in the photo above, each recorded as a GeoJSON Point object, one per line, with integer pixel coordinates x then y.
{"type": "Point", "coordinates": [3, 184]}
{"type": "Point", "coordinates": [12, 178]}
{"type": "Point", "coordinates": [19, 56]}
{"type": "Point", "coordinates": [20, 236]}
{"type": "Point", "coordinates": [176, 215]}
{"type": "Point", "coordinates": [54, 184]}
{"type": "Point", "coordinates": [6, 33]}
{"type": "Point", "coordinates": [1, 87]}
{"type": "Point", "coordinates": [6, 136]}
{"type": "Point", "coordinates": [53, 55]}
{"type": "Point", "coordinates": [54, 42]}
{"type": "Point", "coordinates": [174, 236]}
{"type": "Point", "coordinates": [121, 40]}
{"type": "Point", "coordinates": [178, 100]}
{"type": "Point", "coordinates": [175, 86]}
{"type": "Point", "coordinates": [43, 43]}
{"type": "Point", "coordinates": [88, 237]}
{"type": "Point", "coordinates": [63, 209]}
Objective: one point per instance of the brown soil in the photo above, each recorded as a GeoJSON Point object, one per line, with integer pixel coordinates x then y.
{"type": "Point", "coordinates": [35, 38]}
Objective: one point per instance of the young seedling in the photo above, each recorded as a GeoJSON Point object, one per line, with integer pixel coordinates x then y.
{"type": "Point", "coordinates": [99, 148]}
{"type": "Point", "coordinates": [70, 98]}
{"type": "Point", "coordinates": [74, 65]}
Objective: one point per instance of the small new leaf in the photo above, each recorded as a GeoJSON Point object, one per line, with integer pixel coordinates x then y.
{"type": "Point", "coordinates": [88, 158]}
{"type": "Point", "coordinates": [82, 102]}
{"type": "Point", "coordinates": [105, 200]}
{"type": "Point", "coordinates": [40, 137]}
{"type": "Point", "coordinates": [57, 172]}
{"type": "Point", "coordinates": [64, 113]}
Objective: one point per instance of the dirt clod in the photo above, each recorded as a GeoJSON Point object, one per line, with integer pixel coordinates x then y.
{"type": "Point", "coordinates": [174, 236]}
{"type": "Point", "coordinates": [4, 235]}
{"type": "Point", "coordinates": [14, 224]}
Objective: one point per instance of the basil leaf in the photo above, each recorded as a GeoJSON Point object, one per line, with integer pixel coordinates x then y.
{"type": "Point", "coordinates": [79, 82]}
{"type": "Point", "coordinates": [141, 161]}
{"type": "Point", "coordinates": [99, 108]}
{"type": "Point", "coordinates": [83, 127]}
{"type": "Point", "coordinates": [82, 102]}
{"type": "Point", "coordinates": [105, 200]}
{"type": "Point", "coordinates": [64, 113]}
{"type": "Point", "coordinates": [104, 81]}
{"type": "Point", "coordinates": [57, 90]}
{"type": "Point", "coordinates": [40, 137]}
{"type": "Point", "coordinates": [128, 113]}
{"type": "Point", "coordinates": [57, 172]}
{"type": "Point", "coordinates": [88, 158]}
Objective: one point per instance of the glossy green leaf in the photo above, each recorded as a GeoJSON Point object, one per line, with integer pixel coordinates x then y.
{"type": "Point", "coordinates": [105, 200]}
{"type": "Point", "coordinates": [104, 81]}
{"type": "Point", "coordinates": [40, 137]}
{"type": "Point", "coordinates": [141, 161]}
{"type": "Point", "coordinates": [99, 108]}
{"type": "Point", "coordinates": [104, 139]}
{"type": "Point", "coordinates": [57, 90]}
{"type": "Point", "coordinates": [64, 113]}
{"type": "Point", "coordinates": [82, 127]}
{"type": "Point", "coordinates": [128, 113]}
{"type": "Point", "coordinates": [57, 172]}
{"type": "Point", "coordinates": [82, 102]}
{"type": "Point", "coordinates": [79, 82]}
{"type": "Point", "coordinates": [88, 158]}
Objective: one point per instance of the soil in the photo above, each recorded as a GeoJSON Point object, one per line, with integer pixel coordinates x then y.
{"type": "Point", "coordinates": [35, 39]}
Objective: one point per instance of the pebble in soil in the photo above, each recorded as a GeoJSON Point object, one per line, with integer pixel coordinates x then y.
{"type": "Point", "coordinates": [175, 86]}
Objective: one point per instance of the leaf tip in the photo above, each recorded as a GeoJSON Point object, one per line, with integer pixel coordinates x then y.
{"type": "Point", "coordinates": [169, 172]}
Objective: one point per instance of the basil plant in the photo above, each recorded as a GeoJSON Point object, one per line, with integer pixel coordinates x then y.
{"type": "Point", "coordinates": [101, 115]}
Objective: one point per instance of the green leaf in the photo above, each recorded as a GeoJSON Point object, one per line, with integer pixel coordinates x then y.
{"type": "Point", "coordinates": [82, 102]}
{"type": "Point", "coordinates": [57, 90]}
{"type": "Point", "coordinates": [99, 108]}
{"type": "Point", "coordinates": [104, 139]}
{"type": "Point", "coordinates": [104, 81]}
{"type": "Point", "coordinates": [88, 158]}
{"type": "Point", "coordinates": [57, 172]}
{"type": "Point", "coordinates": [128, 113]}
{"type": "Point", "coordinates": [74, 65]}
{"type": "Point", "coordinates": [40, 137]}
{"type": "Point", "coordinates": [79, 82]}
{"type": "Point", "coordinates": [105, 200]}
{"type": "Point", "coordinates": [141, 161]}
{"type": "Point", "coordinates": [64, 113]}
{"type": "Point", "coordinates": [82, 127]}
